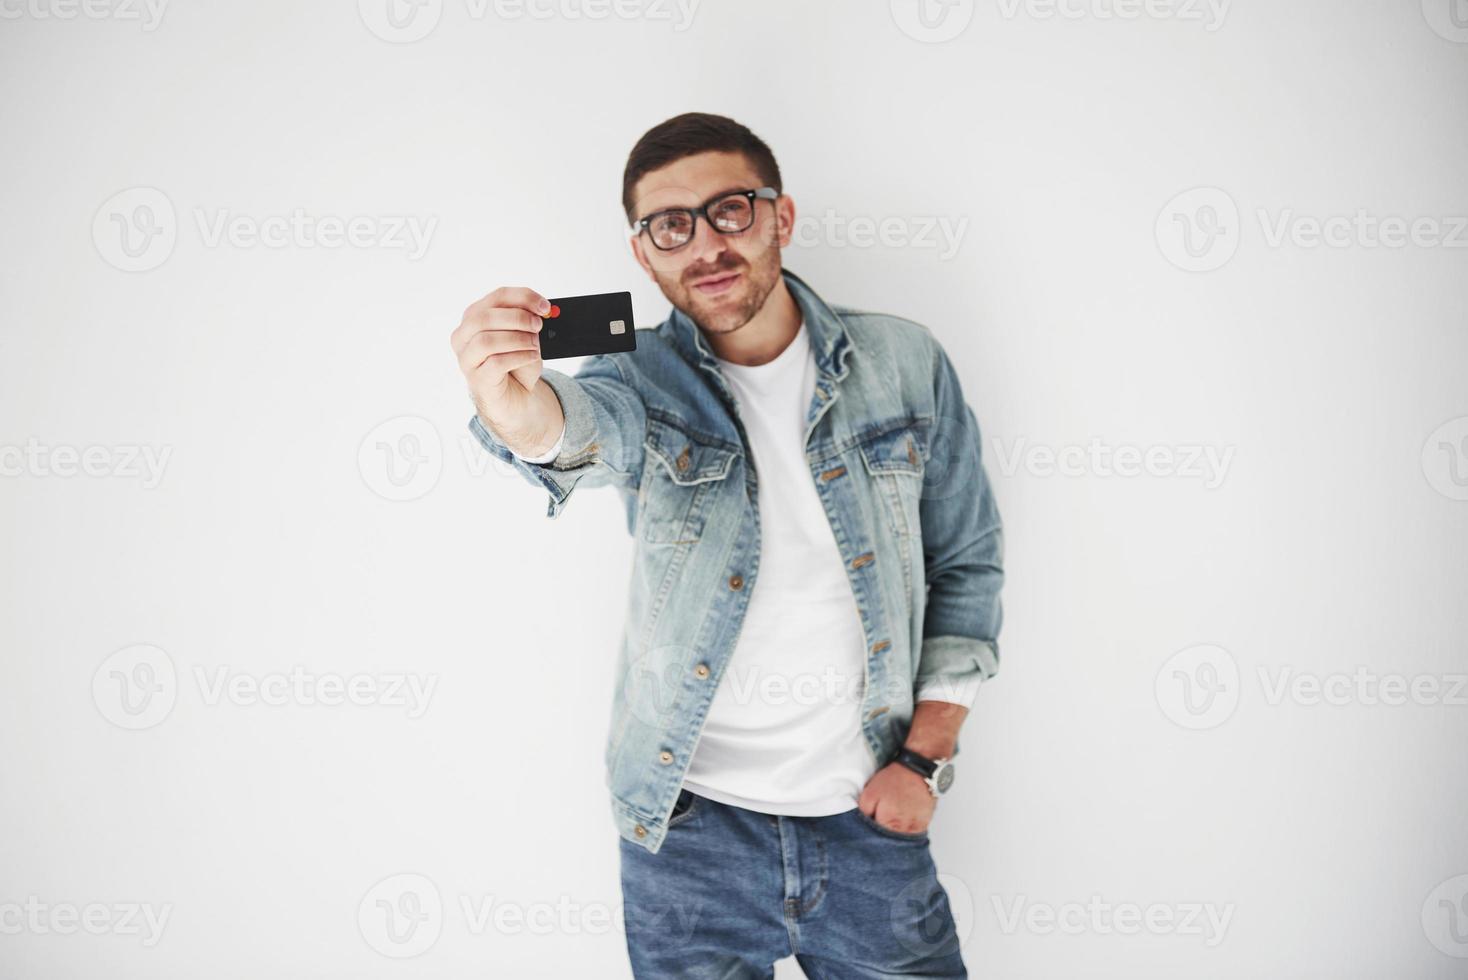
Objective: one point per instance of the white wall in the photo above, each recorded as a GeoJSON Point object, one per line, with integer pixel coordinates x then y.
{"type": "Point", "coordinates": [1328, 538]}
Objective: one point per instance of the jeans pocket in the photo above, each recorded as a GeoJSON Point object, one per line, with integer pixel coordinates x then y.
{"type": "Point", "coordinates": [683, 808]}
{"type": "Point", "coordinates": [871, 822]}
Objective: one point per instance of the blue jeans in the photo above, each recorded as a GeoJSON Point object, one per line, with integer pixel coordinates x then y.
{"type": "Point", "coordinates": [732, 890]}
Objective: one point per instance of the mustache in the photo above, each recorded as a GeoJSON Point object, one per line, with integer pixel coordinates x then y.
{"type": "Point", "coordinates": [695, 274]}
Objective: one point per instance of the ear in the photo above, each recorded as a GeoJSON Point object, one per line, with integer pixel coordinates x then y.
{"type": "Point", "coordinates": [784, 224]}
{"type": "Point", "coordinates": [636, 242]}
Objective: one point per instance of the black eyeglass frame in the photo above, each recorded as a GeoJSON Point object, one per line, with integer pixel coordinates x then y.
{"type": "Point", "coordinates": [702, 211]}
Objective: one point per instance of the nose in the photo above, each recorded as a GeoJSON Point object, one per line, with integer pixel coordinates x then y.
{"type": "Point", "coordinates": [706, 245]}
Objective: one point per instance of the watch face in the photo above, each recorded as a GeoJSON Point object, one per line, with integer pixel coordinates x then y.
{"type": "Point", "coordinates": [944, 777]}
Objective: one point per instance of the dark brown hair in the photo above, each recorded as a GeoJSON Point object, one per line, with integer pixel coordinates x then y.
{"type": "Point", "coordinates": [695, 132]}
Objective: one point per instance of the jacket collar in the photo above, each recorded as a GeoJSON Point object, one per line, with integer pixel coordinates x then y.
{"type": "Point", "coordinates": [829, 339]}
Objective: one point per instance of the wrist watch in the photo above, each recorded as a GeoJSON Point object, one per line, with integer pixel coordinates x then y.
{"type": "Point", "coordinates": [937, 773]}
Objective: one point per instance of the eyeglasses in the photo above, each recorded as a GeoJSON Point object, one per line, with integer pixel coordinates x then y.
{"type": "Point", "coordinates": [728, 214]}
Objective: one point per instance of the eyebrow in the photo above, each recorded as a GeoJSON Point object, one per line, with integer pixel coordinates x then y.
{"type": "Point", "coordinates": [684, 207]}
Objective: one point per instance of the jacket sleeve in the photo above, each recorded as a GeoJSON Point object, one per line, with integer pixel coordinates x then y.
{"type": "Point", "coordinates": [963, 545]}
{"type": "Point", "coordinates": [602, 444]}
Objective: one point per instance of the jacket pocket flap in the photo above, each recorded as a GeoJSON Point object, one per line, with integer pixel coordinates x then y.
{"type": "Point", "coordinates": [896, 446]}
{"type": "Point", "coordinates": [687, 458]}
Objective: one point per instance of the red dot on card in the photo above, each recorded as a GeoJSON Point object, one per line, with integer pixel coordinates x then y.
{"type": "Point", "coordinates": [555, 311]}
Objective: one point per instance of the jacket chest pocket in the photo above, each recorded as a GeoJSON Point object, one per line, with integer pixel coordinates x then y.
{"type": "Point", "coordinates": [895, 453]}
{"type": "Point", "coordinates": [681, 472]}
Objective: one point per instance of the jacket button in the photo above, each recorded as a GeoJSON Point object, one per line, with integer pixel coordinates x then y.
{"type": "Point", "coordinates": [736, 582]}
{"type": "Point", "coordinates": [665, 757]}
{"type": "Point", "coordinates": [640, 830]}
{"type": "Point", "coordinates": [683, 459]}
{"type": "Point", "coordinates": [702, 670]}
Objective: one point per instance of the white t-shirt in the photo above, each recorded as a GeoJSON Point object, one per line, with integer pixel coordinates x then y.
{"type": "Point", "coordinates": [783, 734]}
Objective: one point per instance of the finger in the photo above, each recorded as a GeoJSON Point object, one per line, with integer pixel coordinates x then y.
{"type": "Point", "coordinates": [519, 296]}
{"type": "Point", "coordinates": [492, 319]}
{"type": "Point", "coordinates": [490, 342]}
{"type": "Point", "coordinates": [507, 362]}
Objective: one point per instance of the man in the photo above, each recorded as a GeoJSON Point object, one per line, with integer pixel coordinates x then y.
{"type": "Point", "coordinates": [815, 592]}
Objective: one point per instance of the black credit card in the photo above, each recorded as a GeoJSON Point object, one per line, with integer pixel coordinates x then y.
{"type": "Point", "coordinates": [582, 325]}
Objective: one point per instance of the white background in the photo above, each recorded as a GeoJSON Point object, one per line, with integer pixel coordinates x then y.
{"type": "Point", "coordinates": [298, 389]}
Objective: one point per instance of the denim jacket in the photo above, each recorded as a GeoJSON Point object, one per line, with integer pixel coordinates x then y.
{"type": "Point", "coordinates": [894, 452]}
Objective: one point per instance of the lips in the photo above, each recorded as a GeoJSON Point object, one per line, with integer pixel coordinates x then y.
{"type": "Point", "coordinates": [716, 284]}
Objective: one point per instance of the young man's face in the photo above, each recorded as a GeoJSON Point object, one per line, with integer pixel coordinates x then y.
{"type": "Point", "coordinates": [719, 280]}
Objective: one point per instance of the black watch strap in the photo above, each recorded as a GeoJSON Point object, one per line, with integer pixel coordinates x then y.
{"type": "Point", "coordinates": [919, 764]}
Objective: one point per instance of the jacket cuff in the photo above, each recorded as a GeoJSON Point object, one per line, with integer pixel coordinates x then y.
{"type": "Point", "coordinates": [578, 446]}
{"type": "Point", "coordinates": [951, 668]}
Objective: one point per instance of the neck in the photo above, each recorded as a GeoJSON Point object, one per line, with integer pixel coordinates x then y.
{"type": "Point", "coordinates": [765, 335]}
